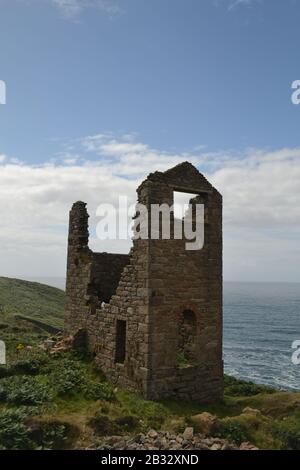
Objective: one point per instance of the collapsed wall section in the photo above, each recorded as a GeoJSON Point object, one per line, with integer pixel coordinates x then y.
{"type": "Point", "coordinates": [119, 330]}
{"type": "Point", "coordinates": [106, 272]}
{"type": "Point", "coordinates": [107, 295]}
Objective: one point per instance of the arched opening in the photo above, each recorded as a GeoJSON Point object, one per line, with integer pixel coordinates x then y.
{"type": "Point", "coordinates": [186, 355]}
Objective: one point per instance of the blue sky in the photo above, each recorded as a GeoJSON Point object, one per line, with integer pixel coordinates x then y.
{"type": "Point", "coordinates": [101, 92]}
{"type": "Point", "coordinates": [178, 73]}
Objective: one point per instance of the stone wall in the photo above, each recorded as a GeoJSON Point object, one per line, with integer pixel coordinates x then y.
{"type": "Point", "coordinates": [105, 274]}
{"type": "Point", "coordinates": [78, 268]}
{"type": "Point", "coordinates": [150, 289]}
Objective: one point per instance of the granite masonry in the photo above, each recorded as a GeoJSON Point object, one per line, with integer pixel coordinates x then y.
{"type": "Point", "coordinates": [153, 318]}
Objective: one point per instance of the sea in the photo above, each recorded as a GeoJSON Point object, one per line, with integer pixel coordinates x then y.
{"type": "Point", "coordinates": [261, 322]}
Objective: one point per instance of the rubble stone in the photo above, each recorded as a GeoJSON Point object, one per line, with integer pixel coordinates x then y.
{"type": "Point", "coordinates": [163, 440]}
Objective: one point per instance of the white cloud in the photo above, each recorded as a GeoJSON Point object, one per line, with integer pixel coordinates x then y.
{"type": "Point", "coordinates": [232, 4]}
{"type": "Point", "coordinates": [73, 8]}
{"type": "Point", "coordinates": [69, 158]}
{"type": "Point", "coordinates": [235, 3]}
{"type": "Point", "coordinates": [261, 203]}
{"type": "Point", "coordinates": [2, 157]}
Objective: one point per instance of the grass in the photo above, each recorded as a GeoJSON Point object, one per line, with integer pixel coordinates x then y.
{"type": "Point", "coordinates": [56, 391]}
{"type": "Point", "coordinates": [31, 299]}
{"type": "Point", "coordinates": [64, 402]}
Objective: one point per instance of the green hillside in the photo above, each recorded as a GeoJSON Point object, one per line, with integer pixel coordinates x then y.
{"type": "Point", "coordinates": [31, 300]}
{"type": "Point", "coordinates": [63, 401]}
{"type": "Point", "coordinates": [68, 403]}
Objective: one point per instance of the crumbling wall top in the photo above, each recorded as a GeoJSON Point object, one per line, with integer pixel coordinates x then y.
{"type": "Point", "coordinates": [183, 177]}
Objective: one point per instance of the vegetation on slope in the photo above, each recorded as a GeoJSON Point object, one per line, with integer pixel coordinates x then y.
{"type": "Point", "coordinates": [31, 300]}
{"type": "Point", "coordinates": [63, 401]}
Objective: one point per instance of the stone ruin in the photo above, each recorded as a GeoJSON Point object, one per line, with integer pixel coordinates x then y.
{"type": "Point", "coordinates": [153, 317]}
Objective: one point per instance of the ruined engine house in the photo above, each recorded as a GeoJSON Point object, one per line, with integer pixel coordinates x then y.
{"type": "Point", "coordinates": [153, 317]}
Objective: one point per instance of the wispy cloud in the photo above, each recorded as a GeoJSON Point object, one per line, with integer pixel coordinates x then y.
{"type": "Point", "coordinates": [73, 8]}
{"type": "Point", "coordinates": [232, 4]}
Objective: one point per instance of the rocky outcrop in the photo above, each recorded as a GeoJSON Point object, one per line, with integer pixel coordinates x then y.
{"type": "Point", "coordinates": [164, 440]}
{"type": "Point", "coordinates": [205, 423]}
{"type": "Point", "coordinates": [60, 344]}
